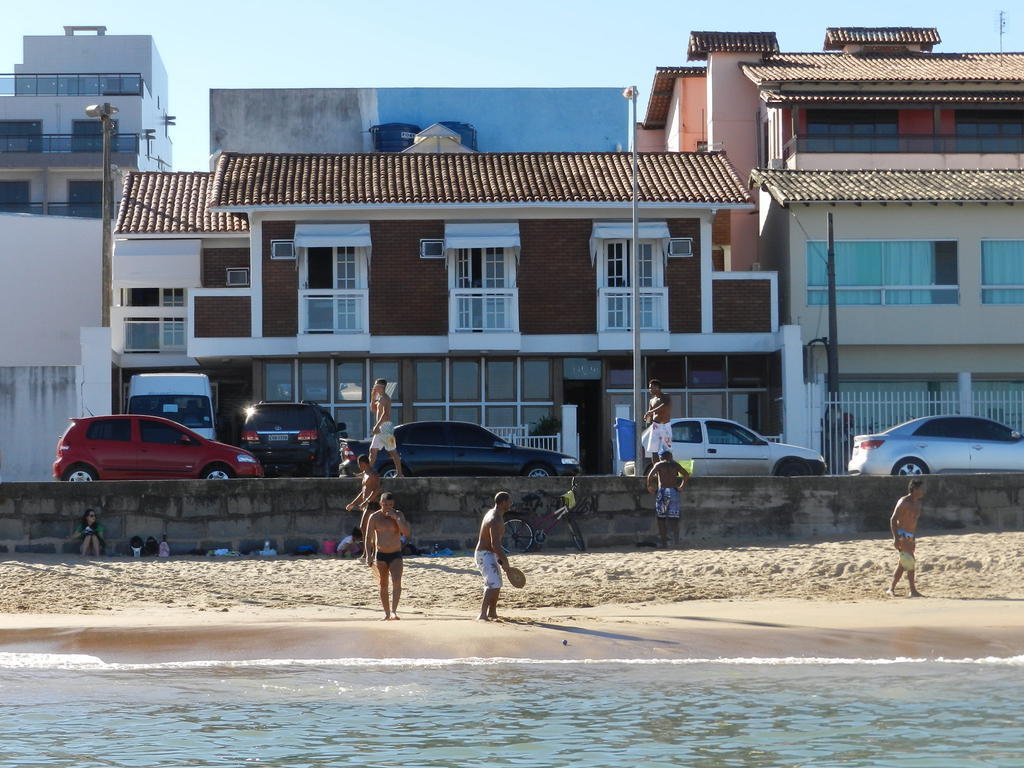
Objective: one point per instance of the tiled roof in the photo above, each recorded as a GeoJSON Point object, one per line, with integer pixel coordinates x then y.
{"type": "Point", "coordinates": [837, 37]}
{"type": "Point", "coordinates": [925, 186]}
{"type": "Point", "coordinates": [887, 97]}
{"type": "Point", "coordinates": [902, 68]}
{"type": "Point", "coordinates": [661, 92]}
{"type": "Point", "coordinates": [531, 177]}
{"type": "Point", "coordinates": [703, 43]}
{"type": "Point", "coordinates": [172, 202]}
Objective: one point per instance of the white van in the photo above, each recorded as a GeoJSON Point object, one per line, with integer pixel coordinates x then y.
{"type": "Point", "coordinates": [182, 397]}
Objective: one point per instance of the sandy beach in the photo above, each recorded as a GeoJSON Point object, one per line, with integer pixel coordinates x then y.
{"type": "Point", "coordinates": [807, 598]}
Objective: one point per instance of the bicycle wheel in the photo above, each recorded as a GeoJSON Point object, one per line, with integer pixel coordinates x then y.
{"type": "Point", "coordinates": [577, 535]}
{"type": "Point", "coordinates": [518, 536]}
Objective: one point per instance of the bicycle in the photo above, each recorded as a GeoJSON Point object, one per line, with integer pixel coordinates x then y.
{"type": "Point", "coordinates": [523, 536]}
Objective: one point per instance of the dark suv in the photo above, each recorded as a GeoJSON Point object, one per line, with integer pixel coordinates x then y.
{"type": "Point", "coordinates": [294, 438]}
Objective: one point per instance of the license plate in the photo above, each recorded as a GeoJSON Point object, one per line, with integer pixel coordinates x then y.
{"type": "Point", "coordinates": [277, 437]}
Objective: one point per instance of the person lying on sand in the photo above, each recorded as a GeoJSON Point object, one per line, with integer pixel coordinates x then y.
{"type": "Point", "coordinates": [903, 525]}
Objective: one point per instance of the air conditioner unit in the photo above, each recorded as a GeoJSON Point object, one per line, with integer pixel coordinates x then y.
{"type": "Point", "coordinates": [431, 249]}
{"type": "Point", "coordinates": [776, 164]}
{"type": "Point", "coordinates": [680, 246]}
{"type": "Point", "coordinates": [238, 277]}
{"type": "Point", "coordinates": [282, 249]}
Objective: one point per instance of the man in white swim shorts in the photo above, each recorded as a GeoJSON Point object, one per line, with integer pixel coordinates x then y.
{"type": "Point", "coordinates": [658, 436]}
{"type": "Point", "coordinates": [383, 431]}
{"type": "Point", "coordinates": [490, 558]}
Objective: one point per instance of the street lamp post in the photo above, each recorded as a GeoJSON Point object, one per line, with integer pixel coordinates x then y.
{"type": "Point", "coordinates": [105, 112]}
{"type": "Point", "coordinates": [634, 281]}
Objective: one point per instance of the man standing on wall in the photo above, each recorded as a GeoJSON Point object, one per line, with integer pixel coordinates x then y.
{"type": "Point", "coordinates": [383, 543]}
{"type": "Point", "coordinates": [658, 436]}
{"type": "Point", "coordinates": [383, 429]}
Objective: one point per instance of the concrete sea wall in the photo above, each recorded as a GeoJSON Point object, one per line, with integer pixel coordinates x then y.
{"type": "Point", "coordinates": [241, 514]}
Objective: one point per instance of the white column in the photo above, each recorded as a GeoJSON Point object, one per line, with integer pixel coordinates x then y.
{"type": "Point", "coordinates": [707, 307]}
{"type": "Point", "coordinates": [570, 431]}
{"type": "Point", "coordinates": [95, 372]}
{"type": "Point", "coordinates": [963, 382]}
{"type": "Point", "coordinates": [795, 427]}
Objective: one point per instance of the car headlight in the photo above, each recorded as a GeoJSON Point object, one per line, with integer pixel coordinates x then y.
{"type": "Point", "coordinates": [245, 458]}
{"type": "Point", "coordinates": [569, 460]}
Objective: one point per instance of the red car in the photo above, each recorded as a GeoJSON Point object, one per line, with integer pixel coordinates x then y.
{"type": "Point", "coordinates": [145, 448]}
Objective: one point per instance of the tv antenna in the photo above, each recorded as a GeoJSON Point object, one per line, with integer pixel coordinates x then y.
{"type": "Point", "coordinates": [1002, 29]}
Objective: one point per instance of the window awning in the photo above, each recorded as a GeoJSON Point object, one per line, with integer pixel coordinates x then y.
{"type": "Point", "coordinates": [157, 263]}
{"type": "Point", "coordinates": [481, 235]}
{"type": "Point", "coordinates": [332, 235]}
{"type": "Point", "coordinates": [623, 230]}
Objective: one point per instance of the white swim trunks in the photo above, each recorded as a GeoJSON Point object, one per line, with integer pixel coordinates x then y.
{"type": "Point", "coordinates": [489, 566]}
{"type": "Point", "coordinates": [657, 438]}
{"type": "Point", "coordinates": [385, 438]}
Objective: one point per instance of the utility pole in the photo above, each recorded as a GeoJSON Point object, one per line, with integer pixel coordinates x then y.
{"type": "Point", "coordinates": [1002, 29]}
{"type": "Point", "coordinates": [105, 112]}
{"type": "Point", "coordinates": [639, 406]}
{"type": "Point", "coordinates": [833, 332]}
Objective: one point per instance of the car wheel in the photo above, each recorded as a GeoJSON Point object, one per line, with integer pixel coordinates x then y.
{"type": "Point", "coordinates": [80, 473]}
{"type": "Point", "coordinates": [912, 466]}
{"type": "Point", "coordinates": [217, 472]}
{"type": "Point", "coordinates": [792, 468]}
{"type": "Point", "coordinates": [388, 470]}
{"type": "Point", "coordinates": [538, 470]}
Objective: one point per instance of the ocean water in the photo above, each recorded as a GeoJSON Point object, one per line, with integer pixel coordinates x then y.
{"type": "Point", "coordinates": [78, 711]}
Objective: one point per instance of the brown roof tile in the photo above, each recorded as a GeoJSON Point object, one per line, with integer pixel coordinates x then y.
{"type": "Point", "coordinates": [703, 43]}
{"type": "Point", "coordinates": [908, 67]}
{"type": "Point", "coordinates": [661, 92]}
{"type": "Point", "coordinates": [837, 37]}
{"type": "Point", "coordinates": [904, 186]}
{"type": "Point", "coordinates": [172, 202]}
{"type": "Point", "coordinates": [410, 179]}
{"type": "Point", "coordinates": [897, 97]}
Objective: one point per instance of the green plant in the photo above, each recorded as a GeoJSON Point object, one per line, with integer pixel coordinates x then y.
{"type": "Point", "coordinates": [547, 425]}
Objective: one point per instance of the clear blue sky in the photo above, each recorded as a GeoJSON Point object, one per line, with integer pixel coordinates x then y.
{"type": "Point", "coordinates": [319, 43]}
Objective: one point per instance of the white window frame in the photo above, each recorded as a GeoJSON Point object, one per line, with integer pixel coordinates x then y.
{"type": "Point", "coordinates": [997, 286]}
{"type": "Point", "coordinates": [290, 250]}
{"type": "Point", "coordinates": [657, 264]}
{"type": "Point", "coordinates": [362, 269]}
{"type": "Point", "coordinates": [508, 267]}
{"type": "Point", "coordinates": [243, 271]}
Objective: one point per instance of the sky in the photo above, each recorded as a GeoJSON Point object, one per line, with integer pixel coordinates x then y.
{"type": "Point", "coordinates": [534, 43]}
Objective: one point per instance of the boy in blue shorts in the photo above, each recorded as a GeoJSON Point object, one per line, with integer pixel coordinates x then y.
{"type": "Point", "coordinates": [670, 479]}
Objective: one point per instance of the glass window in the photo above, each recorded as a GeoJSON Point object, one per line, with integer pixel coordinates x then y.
{"type": "Point", "coordinates": [480, 268]}
{"type": "Point", "coordinates": [617, 265]}
{"type": "Point", "coordinates": [533, 415]}
{"type": "Point", "coordinates": [314, 382]}
{"type": "Point", "coordinates": [277, 382]}
{"type": "Point", "coordinates": [501, 416]}
{"type": "Point", "coordinates": [470, 413]}
{"type": "Point", "coordinates": [173, 332]}
{"type": "Point", "coordinates": [620, 373]}
{"type": "Point", "coordinates": [847, 130]}
{"type": "Point", "coordinates": [390, 371]}
{"type": "Point", "coordinates": [113, 429]}
{"type": "Point", "coordinates": [746, 371]}
{"type": "Point", "coordinates": [349, 381]}
{"type": "Point", "coordinates": [1002, 265]}
{"type": "Point", "coordinates": [173, 297]}
{"type": "Point", "coordinates": [429, 380]}
{"type": "Point", "coordinates": [686, 432]}
{"type": "Point", "coordinates": [501, 380]}
{"type": "Point", "coordinates": [895, 272]}
{"type": "Point", "coordinates": [354, 420]}
{"type": "Point", "coordinates": [706, 371]}
{"type": "Point", "coordinates": [536, 379]}
{"type": "Point", "coordinates": [470, 437]}
{"type": "Point", "coordinates": [723, 433]}
{"type": "Point", "coordinates": [345, 276]}
{"type": "Point", "coordinates": [155, 432]}
{"type": "Point", "coordinates": [424, 434]}
{"type": "Point", "coordinates": [667, 370]}
{"type": "Point", "coordinates": [429, 413]}
{"type": "Point", "coordinates": [465, 382]}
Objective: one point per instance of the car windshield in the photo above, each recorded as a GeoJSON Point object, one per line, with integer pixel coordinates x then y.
{"type": "Point", "coordinates": [280, 417]}
{"type": "Point", "coordinates": [191, 410]}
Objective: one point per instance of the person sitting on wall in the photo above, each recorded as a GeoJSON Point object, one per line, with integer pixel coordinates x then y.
{"type": "Point", "coordinates": [92, 534]}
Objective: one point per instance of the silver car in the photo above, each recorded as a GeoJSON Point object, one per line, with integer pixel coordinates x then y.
{"type": "Point", "coordinates": [937, 444]}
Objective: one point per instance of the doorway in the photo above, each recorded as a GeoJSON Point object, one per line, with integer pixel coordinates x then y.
{"type": "Point", "coordinates": [586, 396]}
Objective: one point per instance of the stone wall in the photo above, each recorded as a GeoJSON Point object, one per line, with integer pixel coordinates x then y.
{"type": "Point", "coordinates": [241, 514]}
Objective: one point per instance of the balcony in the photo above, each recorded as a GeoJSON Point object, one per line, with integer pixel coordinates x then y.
{"type": "Point", "coordinates": [814, 152]}
{"type": "Point", "coordinates": [342, 311]}
{"type": "Point", "coordinates": [615, 317]}
{"type": "Point", "coordinates": [109, 84]}
{"type": "Point", "coordinates": [66, 143]}
{"type": "Point", "coordinates": [151, 334]}
{"type": "Point", "coordinates": [483, 318]}
{"type": "Point", "coordinates": [78, 210]}
{"type": "Point", "coordinates": [21, 208]}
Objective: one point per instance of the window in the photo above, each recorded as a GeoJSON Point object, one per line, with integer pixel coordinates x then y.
{"type": "Point", "coordinates": [424, 434]}
{"type": "Point", "coordinates": [165, 434]}
{"type": "Point", "coordinates": [847, 130]}
{"type": "Point", "coordinates": [112, 429]}
{"type": "Point", "coordinates": [501, 380]}
{"type": "Point", "coordinates": [85, 199]}
{"type": "Point", "coordinates": [614, 278]}
{"type": "Point", "coordinates": [354, 420]}
{"type": "Point", "coordinates": [172, 334]}
{"type": "Point", "coordinates": [429, 413]}
{"type": "Point", "coordinates": [536, 379]}
{"type": "Point", "coordinates": [87, 135]}
{"type": "Point", "coordinates": [899, 272]}
{"type": "Point", "coordinates": [429, 380]}
{"type": "Point", "coordinates": [501, 416]}
{"type": "Point", "coordinates": [465, 380]}
{"type": "Point", "coordinates": [172, 297]}
{"type": "Point", "coordinates": [989, 131]}
{"type": "Point", "coordinates": [706, 371]}
{"type": "Point", "coordinates": [349, 379]}
{"type": "Point", "coordinates": [617, 264]}
{"type": "Point", "coordinates": [282, 249]}
{"type": "Point", "coordinates": [314, 382]}
{"type": "Point", "coordinates": [480, 268]}
{"type": "Point", "coordinates": [14, 195]}
{"type": "Point", "coordinates": [153, 297]}
{"type": "Point", "coordinates": [466, 436]}
{"type": "Point", "coordinates": [686, 432]}
{"type": "Point", "coordinates": [470, 413]}
{"type": "Point", "coordinates": [389, 371]}
{"type": "Point", "coordinates": [723, 433]}
{"type": "Point", "coordinates": [277, 382]}
{"type": "Point", "coordinates": [21, 136]}
{"type": "Point", "coordinates": [1002, 271]}
{"type": "Point", "coordinates": [534, 414]}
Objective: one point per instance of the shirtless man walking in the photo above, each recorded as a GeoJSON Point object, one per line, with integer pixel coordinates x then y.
{"type": "Point", "coordinates": [658, 436]}
{"type": "Point", "coordinates": [383, 430]}
{"type": "Point", "coordinates": [489, 555]}
{"type": "Point", "coordinates": [903, 525]}
{"type": "Point", "coordinates": [369, 490]}
{"type": "Point", "coordinates": [670, 478]}
{"type": "Point", "coordinates": [383, 544]}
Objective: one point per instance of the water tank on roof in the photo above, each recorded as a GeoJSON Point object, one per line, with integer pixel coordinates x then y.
{"type": "Point", "coordinates": [465, 130]}
{"type": "Point", "coordinates": [393, 137]}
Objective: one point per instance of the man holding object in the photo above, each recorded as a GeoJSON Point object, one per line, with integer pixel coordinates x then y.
{"type": "Point", "coordinates": [903, 525]}
{"type": "Point", "coordinates": [489, 555]}
{"type": "Point", "coordinates": [383, 543]}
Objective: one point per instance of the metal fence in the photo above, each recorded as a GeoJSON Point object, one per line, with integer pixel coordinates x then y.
{"type": "Point", "coordinates": [520, 435]}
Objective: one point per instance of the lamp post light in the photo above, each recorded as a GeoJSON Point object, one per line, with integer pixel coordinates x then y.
{"type": "Point", "coordinates": [639, 408]}
{"type": "Point", "coordinates": [105, 112]}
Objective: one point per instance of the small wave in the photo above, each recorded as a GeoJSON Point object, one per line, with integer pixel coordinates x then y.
{"type": "Point", "coordinates": [56, 661]}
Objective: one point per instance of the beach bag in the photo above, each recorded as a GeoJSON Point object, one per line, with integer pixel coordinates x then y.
{"type": "Point", "coordinates": [330, 548]}
{"type": "Point", "coordinates": [151, 547]}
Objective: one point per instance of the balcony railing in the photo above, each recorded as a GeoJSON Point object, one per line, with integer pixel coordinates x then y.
{"type": "Point", "coordinates": [343, 311]}
{"type": "Point", "coordinates": [109, 84]}
{"type": "Point", "coordinates": [154, 335]}
{"type": "Point", "coordinates": [925, 144]}
{"type": "Point", "coordinates": [65, 143]}
{"type": "Point", "coordinates": [21, 207]}
{"type": "Point", "coordinates": [81, 210]}
{"type": "Point", "coordinates": [616, 309]}
{"type": "Point", "coordinates": [484, 310]}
